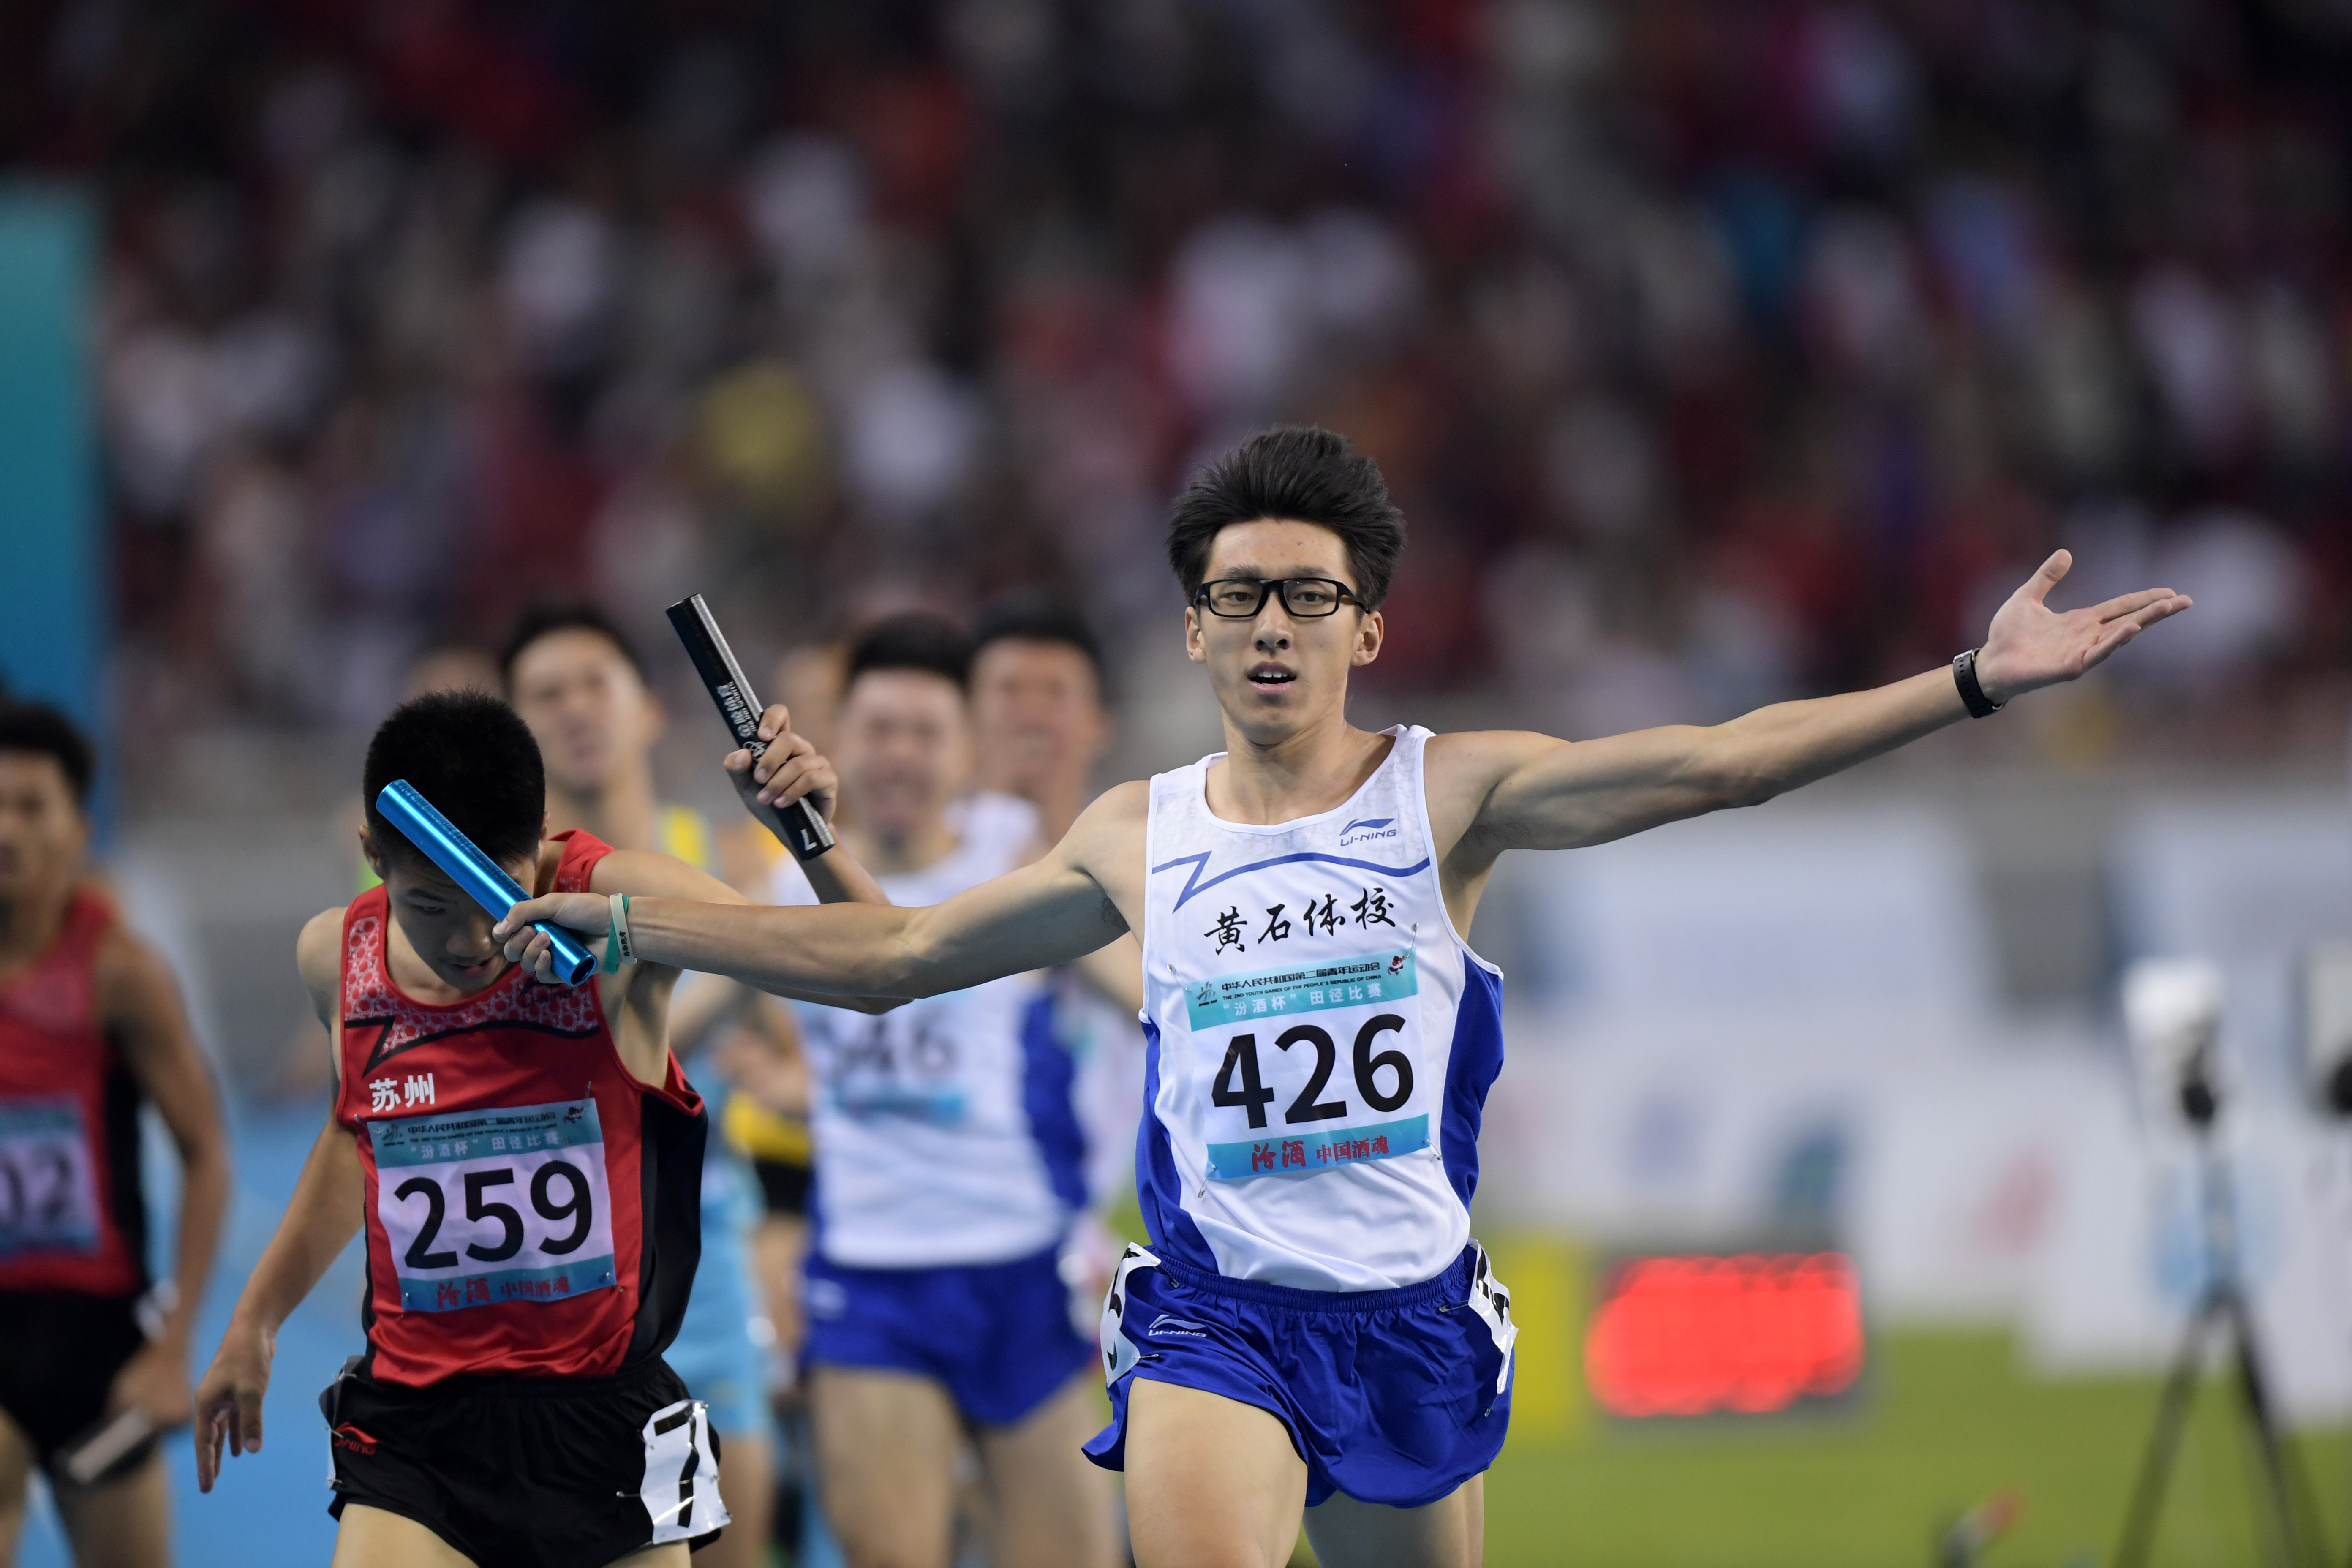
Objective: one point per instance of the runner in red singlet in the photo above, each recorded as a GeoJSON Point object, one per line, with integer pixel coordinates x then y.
{"type": "Point", "coordinates": [527, 1161]}
{"type": "Point", "coordinates": [90, 1029]}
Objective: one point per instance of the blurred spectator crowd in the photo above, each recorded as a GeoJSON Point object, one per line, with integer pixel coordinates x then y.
{"type": "Point", "coordinates": [1718, 350]}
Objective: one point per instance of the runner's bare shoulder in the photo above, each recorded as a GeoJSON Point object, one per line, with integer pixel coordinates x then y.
{"type": "Point", "coordinates": [319, 955]}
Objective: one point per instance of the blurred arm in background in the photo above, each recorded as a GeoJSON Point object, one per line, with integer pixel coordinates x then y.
{"type": "Point", "coordinates": [147, 1024]}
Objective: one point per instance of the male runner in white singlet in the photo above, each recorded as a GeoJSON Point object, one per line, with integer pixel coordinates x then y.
{"type": "Point", "coordinates": [1312, 1327]}
{"type": "Point", "coordinates": [948, 1171]}
{"type": "Point", "coordinates": [1042, 726]}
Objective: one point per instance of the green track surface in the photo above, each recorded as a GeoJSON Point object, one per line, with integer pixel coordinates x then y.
{"type": "Point", "coordinates": [1946, 1420]}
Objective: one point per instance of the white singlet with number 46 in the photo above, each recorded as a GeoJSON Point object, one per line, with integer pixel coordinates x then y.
{"type": "Point", "coordinates": [1321, 1039]}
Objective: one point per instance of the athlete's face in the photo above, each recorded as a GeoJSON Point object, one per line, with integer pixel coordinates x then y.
{"type": "Point", "coordinates": [443, 924]}
{"type": "Point", "coordinates": [1037, 714]}
{"type": "Point", "coordinates": [594, 718]}
{"type": "Point", "coordinates": [43, 833]}
{"type": "Point", "coordinates": [903, 749]}
{"type": "Point", "coordinates": [1276, 673]}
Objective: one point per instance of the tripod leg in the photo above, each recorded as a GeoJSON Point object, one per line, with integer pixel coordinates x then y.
{"type": "Point", "coordinates": [2292, 1506]}
{"type": "Point", "coordinates": [2164, 1441]}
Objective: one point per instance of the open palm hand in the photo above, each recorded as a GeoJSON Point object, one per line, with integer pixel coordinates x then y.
{"type": "Point", "coordinates": [2031, 645]}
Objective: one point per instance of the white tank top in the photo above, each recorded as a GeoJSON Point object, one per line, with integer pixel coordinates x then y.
{"type": "Point", "coordinates": [1320, 1040]}
{"type": "Point", "coordinates": [944, 1130]}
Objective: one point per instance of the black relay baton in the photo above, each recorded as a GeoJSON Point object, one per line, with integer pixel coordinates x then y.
{"type": "Point", "coordinates": [805, 832]}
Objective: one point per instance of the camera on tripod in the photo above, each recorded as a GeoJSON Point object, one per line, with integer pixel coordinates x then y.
{"type": "Point", "coordinates": [2327, 1020]}
{"type": "Point", "coordinates": [2172, 1017]}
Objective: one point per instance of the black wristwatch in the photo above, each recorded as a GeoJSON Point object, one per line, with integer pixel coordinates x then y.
{"type": "Point", "coordinates": [1964, 676]}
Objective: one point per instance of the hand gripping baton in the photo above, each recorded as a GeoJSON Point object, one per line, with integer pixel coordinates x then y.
{"type": "Point", "coordinates": [482, 878]}
{"type": "Point", "coordinates": [805, 832]}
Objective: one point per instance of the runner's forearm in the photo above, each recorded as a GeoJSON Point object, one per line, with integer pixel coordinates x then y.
{"type": "Point", "coordinates": [841, 950]}
{"type": "Point", "coordinates": [320, 1220]}
{"type": "Point", "coordinates": [838, 878]}
{"type": "Point", "coordinates": [203, 1203]}
{"type": "Point", "coordinates": [1789, 744]}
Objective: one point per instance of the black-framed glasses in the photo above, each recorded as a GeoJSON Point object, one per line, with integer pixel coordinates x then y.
{"type": "Point", "coordinates": [1307, 598]}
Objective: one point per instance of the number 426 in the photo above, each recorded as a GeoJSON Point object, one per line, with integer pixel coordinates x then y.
{"type": "Point", "coordinates": [1252, 1095]}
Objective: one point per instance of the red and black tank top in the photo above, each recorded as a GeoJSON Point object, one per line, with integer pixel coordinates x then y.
{"type": "Point", "coordinates": [72, 1219]}
{"type": "Point", "coordinates": [532, 1209]}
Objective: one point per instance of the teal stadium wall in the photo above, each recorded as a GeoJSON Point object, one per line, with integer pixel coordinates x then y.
{"type": "Point", "coordinates": [51, 548]}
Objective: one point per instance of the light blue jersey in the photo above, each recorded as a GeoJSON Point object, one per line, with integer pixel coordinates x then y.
{"type": "Point", "coordinates": [721, 1349]}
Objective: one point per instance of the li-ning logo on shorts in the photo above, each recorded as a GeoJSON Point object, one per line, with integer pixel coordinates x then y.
{"type": "Point", "coordinates": [347, 1435]}
{"type": "Point", "coordinates": [1168, 1324]}
{"type": "Point", "coordinates": [1365, 829]}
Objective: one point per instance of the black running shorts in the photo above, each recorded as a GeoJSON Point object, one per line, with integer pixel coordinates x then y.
{"type": "Point", "coordinates": [784, 1188]}
{"type": "Point", "coordinates": [58, 1357]}
{"type": "Point", "coordinates": [557, 1472]}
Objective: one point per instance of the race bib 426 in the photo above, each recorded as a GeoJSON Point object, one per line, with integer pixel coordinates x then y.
{"type": "Point", "coordinates": [483, 1207]}
{"type": "Point", "coordinates": [1311, 1067]}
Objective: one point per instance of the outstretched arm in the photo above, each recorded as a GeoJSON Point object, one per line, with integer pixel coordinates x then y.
{"type": "Point", "coordinates": [1050, 912]}
{"type": "Point", "coordinates": [149, 1025]}
{"type": "Point", "coordinates": [1503, 790]}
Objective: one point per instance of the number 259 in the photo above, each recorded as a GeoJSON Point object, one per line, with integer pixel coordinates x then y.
{"type": "Point", "coordinates": [579, 1209]}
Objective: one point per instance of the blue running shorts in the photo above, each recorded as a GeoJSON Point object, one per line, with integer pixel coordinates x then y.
{"type": "Point", "coordinates": [1389, 1396]}
{"type": "Point", "coordinates": [997, 1336]}
{"type": "Point", "coordinates": [719, 1349]}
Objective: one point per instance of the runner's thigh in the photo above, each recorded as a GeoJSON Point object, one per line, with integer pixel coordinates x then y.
{"type": "Point", "coordinates": [1210, 1482]}
{"type": "Point", "coordinates": [125, 1523]}
{"type": "Point", "coordinates": [1048, 1505]}
{"type": "Point", "coordinates": [886, 1454]}
{"type": "Point", "coordinates": [371, 1538]}
{"type": "Point", "coordinates": [16, 1473]}
{"type": "Point", "coordinates": [747, 1480]}
{"type": "Point", "coordinates": [1448, 1533]}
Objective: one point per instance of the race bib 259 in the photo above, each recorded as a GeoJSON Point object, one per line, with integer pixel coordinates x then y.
{"type": "Point", "coordinates": [484, 1207]}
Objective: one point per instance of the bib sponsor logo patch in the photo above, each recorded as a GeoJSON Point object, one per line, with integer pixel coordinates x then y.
{"type": "Point", "coordinates": [1304, 1153]}
{"type": "Point", "coordinates": [1376, 978]}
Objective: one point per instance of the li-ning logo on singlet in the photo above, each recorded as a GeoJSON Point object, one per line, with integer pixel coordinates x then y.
{"type": "Point", "coordinates": [1364, 830]}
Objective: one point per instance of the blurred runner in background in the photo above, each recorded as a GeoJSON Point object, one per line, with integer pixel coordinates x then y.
{"type": "Point", "coordinates": [948, 1171]}
{"type": "Point", "coordinates": [91, 1029]}
{"type": "Point", "coordinates": [1042, 724]}
{"type": "Point", "coordinates": [579, 684]}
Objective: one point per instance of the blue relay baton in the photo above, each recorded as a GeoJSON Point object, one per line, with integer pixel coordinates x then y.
{"type": "Point", "coordinates": [482, 878]}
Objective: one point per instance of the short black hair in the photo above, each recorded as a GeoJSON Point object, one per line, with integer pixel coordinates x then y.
{"type": "Point", "coordinates": [41, 731]}
{"type": "Point", "coordinates": [474, 759]}
{"type": "Point", "coordinates": [1295, 473]}
{"type": "Point", "coordinates": [550, 616]}
{"type": "Point", "coordinates": [915, 640]}
{"type": "Point", "coordinates": [1037, 615]}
